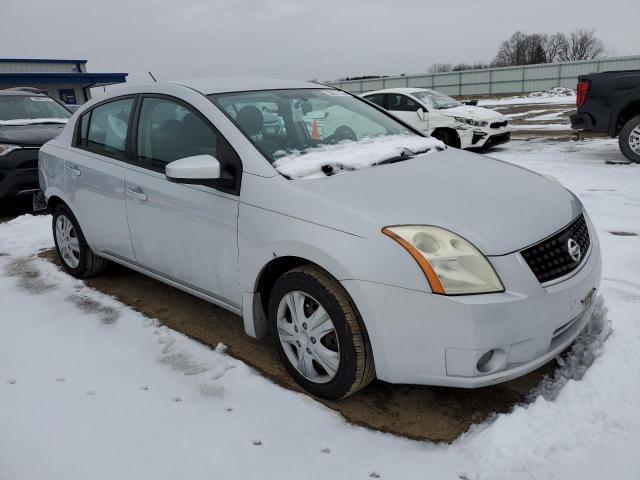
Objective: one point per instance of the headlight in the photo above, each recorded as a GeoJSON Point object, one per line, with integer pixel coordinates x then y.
{"type": "Point", "coordinates": [452, 265]}
{"type": "Point", "coordinates": [468, 121]}
{"type": "Point", "coordinates": [6, 149]}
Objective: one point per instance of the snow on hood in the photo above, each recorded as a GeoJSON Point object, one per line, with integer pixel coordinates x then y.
{"type": "Point", "coordinates": [349, 155]}
{"type": "Point", "coordinates": [32, 121]}
{"type": "Point", "coordinates": [474, 113]}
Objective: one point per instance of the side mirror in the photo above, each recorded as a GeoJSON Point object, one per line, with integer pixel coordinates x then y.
{"type": "Point", "coordinates": [199, 170]}
{"type": "Point", "coordinates": [421, 115]}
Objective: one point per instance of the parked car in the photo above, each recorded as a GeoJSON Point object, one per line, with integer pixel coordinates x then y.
{"type": "Point", "coordinates": [390, 256]}
{"type": "Point", "coordinates": [456, 124]}
{"type": "Point", "coordinates": [610, 102]}
{"type": "Point", "coordinates": [27, 120]}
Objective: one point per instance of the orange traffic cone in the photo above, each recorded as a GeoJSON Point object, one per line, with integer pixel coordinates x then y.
{"type": "Point", "coordinates": [315, 135]}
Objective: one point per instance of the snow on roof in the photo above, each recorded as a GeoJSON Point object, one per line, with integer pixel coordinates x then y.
{"type": "Point", "coordinates": [349, 155]}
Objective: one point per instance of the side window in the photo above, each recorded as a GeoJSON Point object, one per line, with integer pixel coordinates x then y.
{"type": "Point", "coordinates": [378, 99]}
{"type": "Point", "coordinates": [401, 103]}
{"type": "Point", "coordinates": [168, 131]}
{"type": "Point", "coordinates": [107, 132]}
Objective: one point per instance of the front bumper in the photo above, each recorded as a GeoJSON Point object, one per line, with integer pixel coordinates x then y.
{"type": "Point", "coordinates": [422, 338]}
{"type": "Point", "coordinates": [485, 137]}
{"type": "Point", "coordinates": [19, 173]}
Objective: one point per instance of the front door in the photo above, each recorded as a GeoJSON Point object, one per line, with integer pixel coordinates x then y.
{"type": "Point", "coordinates": [406, 109]}
{"type": "Point", "coordinates": [186, 233]}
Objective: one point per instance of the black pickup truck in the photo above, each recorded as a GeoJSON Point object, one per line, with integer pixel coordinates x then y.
{"type": "Point", "coordinates": [610, 102]}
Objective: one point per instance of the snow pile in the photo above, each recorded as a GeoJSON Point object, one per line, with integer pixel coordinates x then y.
{"type": "Point", "coordinates": [349, 155]}
{"type": "Point", "coordinates": [553, 92]}
{"type": "Point", "coordinates": [32, 121]}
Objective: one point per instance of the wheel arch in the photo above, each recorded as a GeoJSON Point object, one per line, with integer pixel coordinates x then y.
{"type": "Point", "coordinates": [447, 131]}
{"type": "Point", "coordinates": [623, 113]}
{"type": "Point", "coordinates": [256, 302]}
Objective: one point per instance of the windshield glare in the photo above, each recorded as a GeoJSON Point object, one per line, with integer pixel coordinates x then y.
{"type": "Point", "coordinates": [24, 107]}
{"type": "Point", "coordinates": [297, 121]}
{"type": "Point", "coordinates": [436, 99]}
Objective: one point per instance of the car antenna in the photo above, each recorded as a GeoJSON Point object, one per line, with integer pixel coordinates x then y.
{"type": "Point", "coordinates": [154, 78]}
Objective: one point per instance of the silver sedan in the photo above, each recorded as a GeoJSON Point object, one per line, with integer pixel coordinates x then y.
{"type": "Point", "coordinates": [363, 248]}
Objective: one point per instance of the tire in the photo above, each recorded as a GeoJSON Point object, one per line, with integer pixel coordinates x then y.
{"type": "Point", "coordinates": [74, 253]}
{"type": "Point", "coordinates": [355, 367]}
{"type": "Point", "coordinates": [629, 139]}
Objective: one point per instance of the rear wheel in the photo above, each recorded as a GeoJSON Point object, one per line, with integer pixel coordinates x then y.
{"type": "Point", "coordinates": [319, 335]}
{"type": "Point", "coordinates": [629, 139]}
{"type": "Point", "coordinates": [76, 256]}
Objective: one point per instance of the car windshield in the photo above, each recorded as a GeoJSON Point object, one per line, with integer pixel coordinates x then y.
{"type": "Point", "coordinates": [309, 133]}
{"type": "Point", "coordinates": [27, 110]}
{"type": "Point", "coordinates": [436, 99]}
{"type": "Point", "coordinates": [281, 122]}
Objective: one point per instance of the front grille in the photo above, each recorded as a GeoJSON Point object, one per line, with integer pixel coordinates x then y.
{"type": "Point", "coordinates": [499, 124]}
{"type": "Point", "coordinates": [550, 259]}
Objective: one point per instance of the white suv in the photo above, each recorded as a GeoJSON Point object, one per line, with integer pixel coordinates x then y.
{"type": "Point", "coordinates": [386, 255]}
{"type": "Point", "coordinates": [439, 115]}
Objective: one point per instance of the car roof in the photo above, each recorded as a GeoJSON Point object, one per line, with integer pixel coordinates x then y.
{"type": "Point", "coordinates": [397, 90]}
{"type": "Point", "coordinates": [208, 86]}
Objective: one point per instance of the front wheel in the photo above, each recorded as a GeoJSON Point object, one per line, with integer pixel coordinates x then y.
{"type": "Point", "coordinates": [629, 139]}
{"type": "Point", "coordinates": [319, 335]}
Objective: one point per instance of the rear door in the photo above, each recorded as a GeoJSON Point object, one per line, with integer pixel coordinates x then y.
{"type": "Point", "coordinates": [186, 233]}
{"type": "Point", "coordinates": [94, 176]}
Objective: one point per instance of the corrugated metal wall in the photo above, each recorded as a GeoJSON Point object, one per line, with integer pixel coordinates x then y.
{"type": "Point", "coordinates": [528, 78]}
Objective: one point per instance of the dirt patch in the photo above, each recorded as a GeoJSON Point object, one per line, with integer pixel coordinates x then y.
{"type": "Point", "coordinates": [424, 413]}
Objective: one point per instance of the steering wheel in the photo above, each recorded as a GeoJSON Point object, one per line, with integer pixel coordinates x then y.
{"type": "Point", "coordinates": [342, 133]}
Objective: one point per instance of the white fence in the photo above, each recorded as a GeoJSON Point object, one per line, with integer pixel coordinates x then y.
{"type": "Point", "coordinates": [527, 78]}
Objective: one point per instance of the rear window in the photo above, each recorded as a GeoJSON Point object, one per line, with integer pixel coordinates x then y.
{"type": "Point", "coordinates": [103, 130]}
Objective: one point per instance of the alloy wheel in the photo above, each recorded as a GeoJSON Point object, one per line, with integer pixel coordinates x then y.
{"type": "Point", "coordinates": [634, 140]}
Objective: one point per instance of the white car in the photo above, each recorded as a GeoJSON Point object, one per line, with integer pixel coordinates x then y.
{"type": "Point", "coordinates": [456, 124]}
{"type": "Point", "coordinates": [390, 257]}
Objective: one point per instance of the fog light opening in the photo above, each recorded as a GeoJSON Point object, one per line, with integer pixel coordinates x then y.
{"type": "Point", "coordinates": [490, 361]}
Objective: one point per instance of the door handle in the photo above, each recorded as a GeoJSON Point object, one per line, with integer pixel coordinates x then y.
{"type": "Point", "coordinates": [137, 193]}
{"type": "Point", "coordinates": [75, 171]}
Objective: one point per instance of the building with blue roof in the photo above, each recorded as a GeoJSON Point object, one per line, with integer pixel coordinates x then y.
{"type": "Point", "coordinates": [64, 80]}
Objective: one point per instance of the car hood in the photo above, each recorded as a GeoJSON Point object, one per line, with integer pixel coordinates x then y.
{"type": "Point", "coordinates": [474, 113]}
{"type": "Point", "coordinates": [32, 135]}
{"type": "Point", "coordinates": [499, 207]}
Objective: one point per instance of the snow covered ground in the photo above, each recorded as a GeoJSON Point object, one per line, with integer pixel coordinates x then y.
{"type": "Point", "coordinates": [91, 389]}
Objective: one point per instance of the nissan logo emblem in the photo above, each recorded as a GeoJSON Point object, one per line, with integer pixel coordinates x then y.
{"type": "Point", "coordinates": [573, 248]}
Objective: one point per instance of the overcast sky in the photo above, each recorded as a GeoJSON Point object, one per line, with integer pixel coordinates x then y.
{"type": "Point", "coordinates": [301, 39]}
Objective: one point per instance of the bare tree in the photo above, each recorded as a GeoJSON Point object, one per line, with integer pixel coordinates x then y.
{"type": "Point", "coordinates": [440, 68]}
{"type": "Point", "coordinates": [581, 44]}
{"type": "Point", "coordinates": [555, 44]}
{"type": "Point", "coordinates": [512, 51]}
{"type": "Point", "coordinates": [531, 48]}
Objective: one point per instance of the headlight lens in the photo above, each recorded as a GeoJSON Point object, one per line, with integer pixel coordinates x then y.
{"type": "Point", "coordinates": [6, 149]}
{"type": "Point", "coordinates": [474, 123]}
{"type": "Point", "coordinates": [452, 265]}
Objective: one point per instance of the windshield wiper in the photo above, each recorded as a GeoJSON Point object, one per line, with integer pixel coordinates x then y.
{"type": "Point", "coordinates": [406, 154]}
